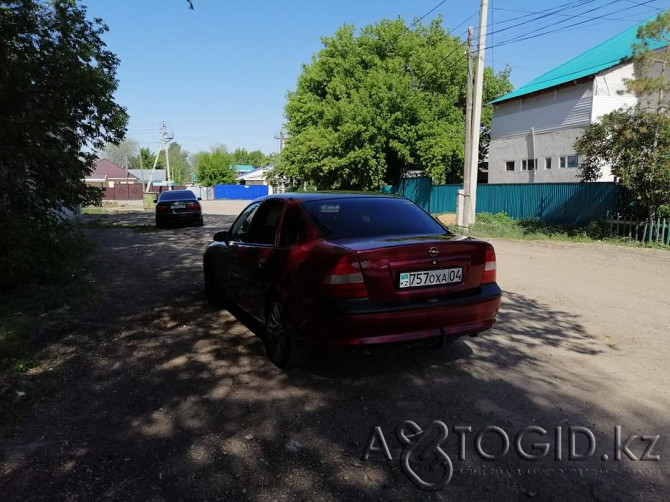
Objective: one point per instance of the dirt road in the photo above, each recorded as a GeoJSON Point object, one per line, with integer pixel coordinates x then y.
{"type": "Point", "coordinates": [158, 397]}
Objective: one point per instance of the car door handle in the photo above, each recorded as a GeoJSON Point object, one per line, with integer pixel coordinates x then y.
{"type": "Point", "coordinates": [262, 262]}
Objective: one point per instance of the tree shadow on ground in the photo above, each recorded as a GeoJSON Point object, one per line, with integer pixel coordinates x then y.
{"type": "Point", "coordinates": [158, 396]}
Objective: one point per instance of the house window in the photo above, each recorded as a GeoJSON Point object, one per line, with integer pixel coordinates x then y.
{"type": "Point", "coordinates": [547, 162]}
{"type": "Point", "coordinates": [509, 165]}
{"type": "Point", "coordinates": [569, 162]}
{"type": "Point", "coordinates": [528, 164]}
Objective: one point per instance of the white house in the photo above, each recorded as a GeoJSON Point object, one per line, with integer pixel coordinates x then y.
{"type": "Point", "coordinates": [535, 127]}
{"type": "Point", "coordinates": [258, 177]}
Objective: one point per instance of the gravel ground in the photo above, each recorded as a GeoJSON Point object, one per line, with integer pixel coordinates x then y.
{"type": "Point", "coordinates": [156, 396]}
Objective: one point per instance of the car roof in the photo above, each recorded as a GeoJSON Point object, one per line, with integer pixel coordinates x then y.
{"type": "Point", "coordinates": [328, 195]}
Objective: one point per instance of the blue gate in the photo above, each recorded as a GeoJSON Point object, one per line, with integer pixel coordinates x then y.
{"type": "Point", "coordinates": [240, 192]}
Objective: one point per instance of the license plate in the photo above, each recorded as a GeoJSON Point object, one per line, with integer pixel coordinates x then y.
{"type": "Point", "coordinates": [431, 277]}
{"type": "Point", "coordinates": [178, 206]}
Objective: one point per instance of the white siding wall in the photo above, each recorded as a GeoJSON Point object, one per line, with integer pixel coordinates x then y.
{"type": "Point", "coordinates": [609, 91]}
{"type": "Point", "coordinates": [550, 110]}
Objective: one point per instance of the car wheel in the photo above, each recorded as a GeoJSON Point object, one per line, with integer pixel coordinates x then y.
{"type": "Point", "coordinates": [213, 294]}
{"type": "Point", "coordinates": [200, 222]}
{"type": "Point", "coordinates": [281, 347]}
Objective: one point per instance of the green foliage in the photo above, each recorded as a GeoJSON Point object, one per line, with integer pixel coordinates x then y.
{"type": "Point", "coordinates": [180, 169]}
{"type": "Point", "coordinates": [635, 142]}
{"type": "Point", "coordinates": [215, 167]}
{"type": "Point", "coordinates": [501, 225]}
{"type": "Point", "coordinates": [148, 158]}
{"type": "Point", "coordinates": [255, 158]}
{"type": "Point", "coordinates": [57, 82]}
{"type": "Point", "coordinates": [371, 107]}
{"type": "Point", "coordinates": [651, 83]}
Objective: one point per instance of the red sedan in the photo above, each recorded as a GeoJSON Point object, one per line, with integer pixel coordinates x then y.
{"type": "Point", "coordinates": [328, 269]}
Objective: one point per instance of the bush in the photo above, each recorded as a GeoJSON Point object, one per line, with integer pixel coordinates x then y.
{"type": "Point", "coordinates": [35, 253]}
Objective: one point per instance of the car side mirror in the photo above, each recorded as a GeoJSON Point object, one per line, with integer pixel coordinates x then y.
{"type": "Point", "coordinates": [199, 198]}
{"type": "Point", "coordinates": [222, 236]}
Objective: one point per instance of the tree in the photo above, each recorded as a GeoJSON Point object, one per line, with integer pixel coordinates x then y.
{"type": "Point", "coordinates": [180, 169]}
{"type": "Point", "coordinates": [214, 167]}
{"type": "Point", "coordinates": [371, 107]}
{"type": "Point", "coordinates": [255, 158]}
{"type": "Point", "coordinates": [58, 83]}
{"type": "Point", "coordinates": [122, 153]}
{"type": "Point", "coordinates": [635, 142]}
{"type": "Point", "coordinates": [148, 158]}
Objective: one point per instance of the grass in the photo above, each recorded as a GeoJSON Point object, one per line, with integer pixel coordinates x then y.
{"type": "Point", "coordinates": [501, 225]}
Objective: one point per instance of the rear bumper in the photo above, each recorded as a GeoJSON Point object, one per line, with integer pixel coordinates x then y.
{"type": "Point", "coordinates": [363, 322]}
{"type": "Point", "coordinates": [178, 217]}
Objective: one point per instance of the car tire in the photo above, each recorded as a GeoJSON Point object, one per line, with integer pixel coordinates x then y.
{"type": "Point", "coordinates": [282, 348]}
{"type": "Point", "coordinates": [200, 222]}
{"type": "Point", "coordinates": [213, 294]}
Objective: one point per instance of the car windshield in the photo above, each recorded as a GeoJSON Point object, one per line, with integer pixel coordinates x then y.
{"type": "Point", "coordinates": [176, 195]}
{"type": "Point", "coordinates": [371, 217]}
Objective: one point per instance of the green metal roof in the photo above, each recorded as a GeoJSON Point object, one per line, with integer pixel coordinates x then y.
{"type": "Point", "coordinates": [602, 56]}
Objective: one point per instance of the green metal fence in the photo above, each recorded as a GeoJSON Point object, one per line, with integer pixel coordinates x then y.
{"type": "Point", "coordinates": [567, 203]}
{"type": "Point", "coordinates": [648, 231]}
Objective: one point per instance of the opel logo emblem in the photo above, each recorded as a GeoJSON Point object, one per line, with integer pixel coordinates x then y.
{"type": "Point", "coordinates": [432, 252]}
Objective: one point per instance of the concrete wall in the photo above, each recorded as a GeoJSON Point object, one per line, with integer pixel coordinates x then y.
{"type": "Point", "coordinates": [542, 145]}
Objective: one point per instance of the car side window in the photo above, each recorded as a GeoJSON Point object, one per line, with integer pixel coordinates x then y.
{"type": "Point", "coordinates": [291, 226]}
{"type": "Point", "coordinates": [240, 228]}
{"type": "Point", "coordinates": [263, 229]}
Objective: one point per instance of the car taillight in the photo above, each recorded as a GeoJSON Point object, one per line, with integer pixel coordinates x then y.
{"type": "Point", "coordinates": [489, 274]}
{"type": "Point", "coordinates": [346, 279]}
{"type": "Point", "coordinates": [192, 205]}
{"type": "Point", "coordinates": [162, 207]}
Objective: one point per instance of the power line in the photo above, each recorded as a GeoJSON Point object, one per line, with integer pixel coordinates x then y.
{"type": "Point", "coordinates": [539, 31]}
{"type": "Point", "coordinates": [427, 14]}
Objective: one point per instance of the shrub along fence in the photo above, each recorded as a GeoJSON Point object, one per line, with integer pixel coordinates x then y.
{"type": "Point", "coordinates": [648, 231]}
{"type": "Point", "coordinates": [566, 203]}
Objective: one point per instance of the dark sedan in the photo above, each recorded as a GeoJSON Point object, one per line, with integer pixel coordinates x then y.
{"type": "Point", "coordinates": [332, 269]}
{"type": "Point", "coordinates": [178, 207]}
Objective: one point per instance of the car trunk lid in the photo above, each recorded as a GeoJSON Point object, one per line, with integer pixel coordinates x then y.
{"type": "Point", "coordinates": [408, 268]}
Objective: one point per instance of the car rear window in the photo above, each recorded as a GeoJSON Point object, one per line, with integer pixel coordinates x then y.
{"type": "Point", "coordinates": [371, 217]}
{"type": "Point", "coordinates": [176, 195]}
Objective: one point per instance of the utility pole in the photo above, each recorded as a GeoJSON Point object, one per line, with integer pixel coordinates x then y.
{"type": "Point", "coordinates": [166, 137]}
{"type": "Point", "coordinates": [281, 136]}
{"type": "Point", "coordinates": [464, 197]}
{"type": "Point", "coordinates": [471, 181]}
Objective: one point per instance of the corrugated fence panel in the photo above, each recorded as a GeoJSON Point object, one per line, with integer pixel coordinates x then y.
{"type": "Point", "coordinates": [567, 203]}
{"type": "Point", "coordinates": [240, 192]}
{"type": "Point", "coordinates": [444, 198]}
{"type": "Point", "coordinates": [416, 189]}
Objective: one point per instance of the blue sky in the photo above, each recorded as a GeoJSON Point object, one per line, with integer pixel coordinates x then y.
{"type": "Point", "coordinates": [219, 74]}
